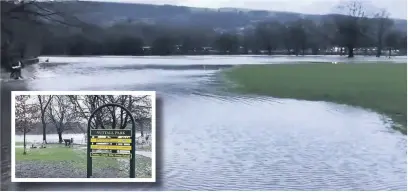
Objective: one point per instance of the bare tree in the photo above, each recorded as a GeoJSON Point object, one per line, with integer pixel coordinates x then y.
{"type": "Point", "coordinates": [392, 40]}
{"type": "Point", "coordinates": [297, 36]}
{"type": "Point", "coordinates": [383, 25]}
{"type": "Point", "coordinates": [118, 118]}
{"type": "Point", "coordinates": [113, 117]}
{"type": "Point", "coordinates": [44, 102]}
{"type": "Point", "coordinates": [25, 22]}
{"type": "Point", "coordinates": [26, 115]}
{"type": "Point", "coordinates": [61, 114]}
{"type": "Point", "coordinates": [85, 105]}
{"type": "Point", "coordinates": [267, 34]}
{"type": "Point", "coordinates": [352, 25]}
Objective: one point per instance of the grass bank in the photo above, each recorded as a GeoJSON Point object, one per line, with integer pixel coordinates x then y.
{"type": "Point", "coordinates": [65, 160]}
{"type": "Point", "coordinates": [380, 87]}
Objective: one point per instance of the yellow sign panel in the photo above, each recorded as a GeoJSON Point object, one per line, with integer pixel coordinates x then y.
{"type": "Point", "coordinates": [111, 155]}
{"type": "Point", "coordinates": [108, 140]}
{"type": "Point", "coordinates": [112, 147]}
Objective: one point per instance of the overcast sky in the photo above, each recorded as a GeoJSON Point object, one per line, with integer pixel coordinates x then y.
{"type": "Point", "coordinates": [397, 8]}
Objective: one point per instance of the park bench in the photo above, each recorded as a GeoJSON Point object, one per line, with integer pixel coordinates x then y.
{"type": "Point", "coordinates": [69, 142]}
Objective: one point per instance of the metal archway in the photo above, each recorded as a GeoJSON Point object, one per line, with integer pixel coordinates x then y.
{"type": "Point", "coordinates": [124, 131]}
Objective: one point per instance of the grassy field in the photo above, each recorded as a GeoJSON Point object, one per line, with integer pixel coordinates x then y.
{"type": "Point", "coordinates": [380, 87]}
{"type": "Point", "coordinates": [51, 153]}
{"type": "Point", "coordinates": [144, 148]}
{"type": "Point", "coordinates": [58, 153]}
{"type": "Point", "coordinates": [21, 143]}
{"type": "Point", "coordinates": [76, 159]}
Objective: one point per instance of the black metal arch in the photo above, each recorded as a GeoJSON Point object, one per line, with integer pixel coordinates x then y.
{"type": "Point", "coordinates": [133, 144]}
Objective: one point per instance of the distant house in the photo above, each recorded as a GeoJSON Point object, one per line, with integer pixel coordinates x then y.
{"type": "Point", "coordinates": [147, 50]}
{"type": "Point", "coordinates": [209, 50]}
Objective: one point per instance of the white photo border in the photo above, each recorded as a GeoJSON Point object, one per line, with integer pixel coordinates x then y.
{"type": "Point", "coordinates": [152, 94]}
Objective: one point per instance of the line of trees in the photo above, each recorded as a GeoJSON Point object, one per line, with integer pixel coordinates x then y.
{"type": "Point", "coordinates": [65, 112]}
{"type": "Point", "coordinates": [58, 32]}
{"type": "Point", "coordinates": [298, 37]}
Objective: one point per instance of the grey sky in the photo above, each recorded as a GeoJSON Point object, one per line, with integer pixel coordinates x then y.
{"type": "Point", "coordinates": [397, 8]}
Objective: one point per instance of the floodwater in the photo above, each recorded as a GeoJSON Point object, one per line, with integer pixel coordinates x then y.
{"type": "Point", "coordinates": [213, 140]}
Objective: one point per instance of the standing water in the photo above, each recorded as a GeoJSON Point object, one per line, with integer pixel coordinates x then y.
{"type": "Point", "coordinates": [212, 140]}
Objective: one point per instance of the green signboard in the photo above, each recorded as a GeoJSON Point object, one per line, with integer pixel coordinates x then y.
{"type": "Point", "coordinates": [112, 147]}
{"type": "Point", "coordinates": [111, 132]}
{"type": "Point", "coordinates": [111, 141]}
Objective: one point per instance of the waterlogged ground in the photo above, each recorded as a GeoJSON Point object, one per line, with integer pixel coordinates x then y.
{"type": "Point", "coordinates": [212, 140]}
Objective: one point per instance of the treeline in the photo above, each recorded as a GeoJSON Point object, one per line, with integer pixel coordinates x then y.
{"type": "Point", "coordinates": [69, 113]}
{"type": "Point", "coordinates": [32, 28]}
{"type": "Point", "coordinates": [298, 37]}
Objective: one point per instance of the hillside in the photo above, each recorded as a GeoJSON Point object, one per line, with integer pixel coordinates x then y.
{"type": "Point", "coordinates": [108, 13]}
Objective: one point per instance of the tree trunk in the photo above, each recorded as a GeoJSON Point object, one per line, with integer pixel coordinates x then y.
{"type": "Point", "coordinates": [389, 52]}
{"type": "Point", "coordinates": [140, 123]}
{"type": "Point", "coordinates": [60, 137]}
{"type": "Point", "coordinates": [379, 48]}
{"type": "Point", "coordinates": [44, 129]}
{"type": "Point", "coordinates": [24, 142]}
{"type": "Point", "coordinates": [269, 50]}
{"type": "Point", "coordinates": [350, 52]}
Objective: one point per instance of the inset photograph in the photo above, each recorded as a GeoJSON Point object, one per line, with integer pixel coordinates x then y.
{"type": "Point", "coordinates": [83, 136]}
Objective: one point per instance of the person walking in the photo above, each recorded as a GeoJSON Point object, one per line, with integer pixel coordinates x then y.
{"type": "Point", "coordinates": [16, 70]}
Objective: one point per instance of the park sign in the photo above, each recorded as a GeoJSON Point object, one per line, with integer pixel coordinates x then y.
{"type": "Point", "coordinates": [112, 144]}
{"type": "Point", "coordinates": [111, 132]}
{"type": "Point", "coordinates": [118, 155]}
{"type": "Point", "coordinates": [112, 147]}
{"type": "Point", "coordinates": [110, 140]}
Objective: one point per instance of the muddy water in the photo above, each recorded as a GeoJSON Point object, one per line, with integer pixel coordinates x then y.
{"type": "Point", "coordinates": [212, 140]}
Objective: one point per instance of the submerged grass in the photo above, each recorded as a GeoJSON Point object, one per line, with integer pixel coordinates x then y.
{"type": "Point", "coordinates": [381, 86]}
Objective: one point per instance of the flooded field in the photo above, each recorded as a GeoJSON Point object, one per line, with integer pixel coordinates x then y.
{"type": "Point", "coordinates": [214, 140]}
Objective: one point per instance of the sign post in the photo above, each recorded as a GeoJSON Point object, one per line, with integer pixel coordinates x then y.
{"type": "Point", "coordinates": [95, 143]}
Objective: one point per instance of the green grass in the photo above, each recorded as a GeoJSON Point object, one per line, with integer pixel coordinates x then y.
{"type": "Point", "coordinates": [380, 87]}
{"type": "Point", "coordinates": [144, 148]}
{"type": "Point", "coordinates": [20, 143]}
{"type": "Point", "coordinates": [55, 153]}
{"type": "Point", "coordinates": [47, 154]}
